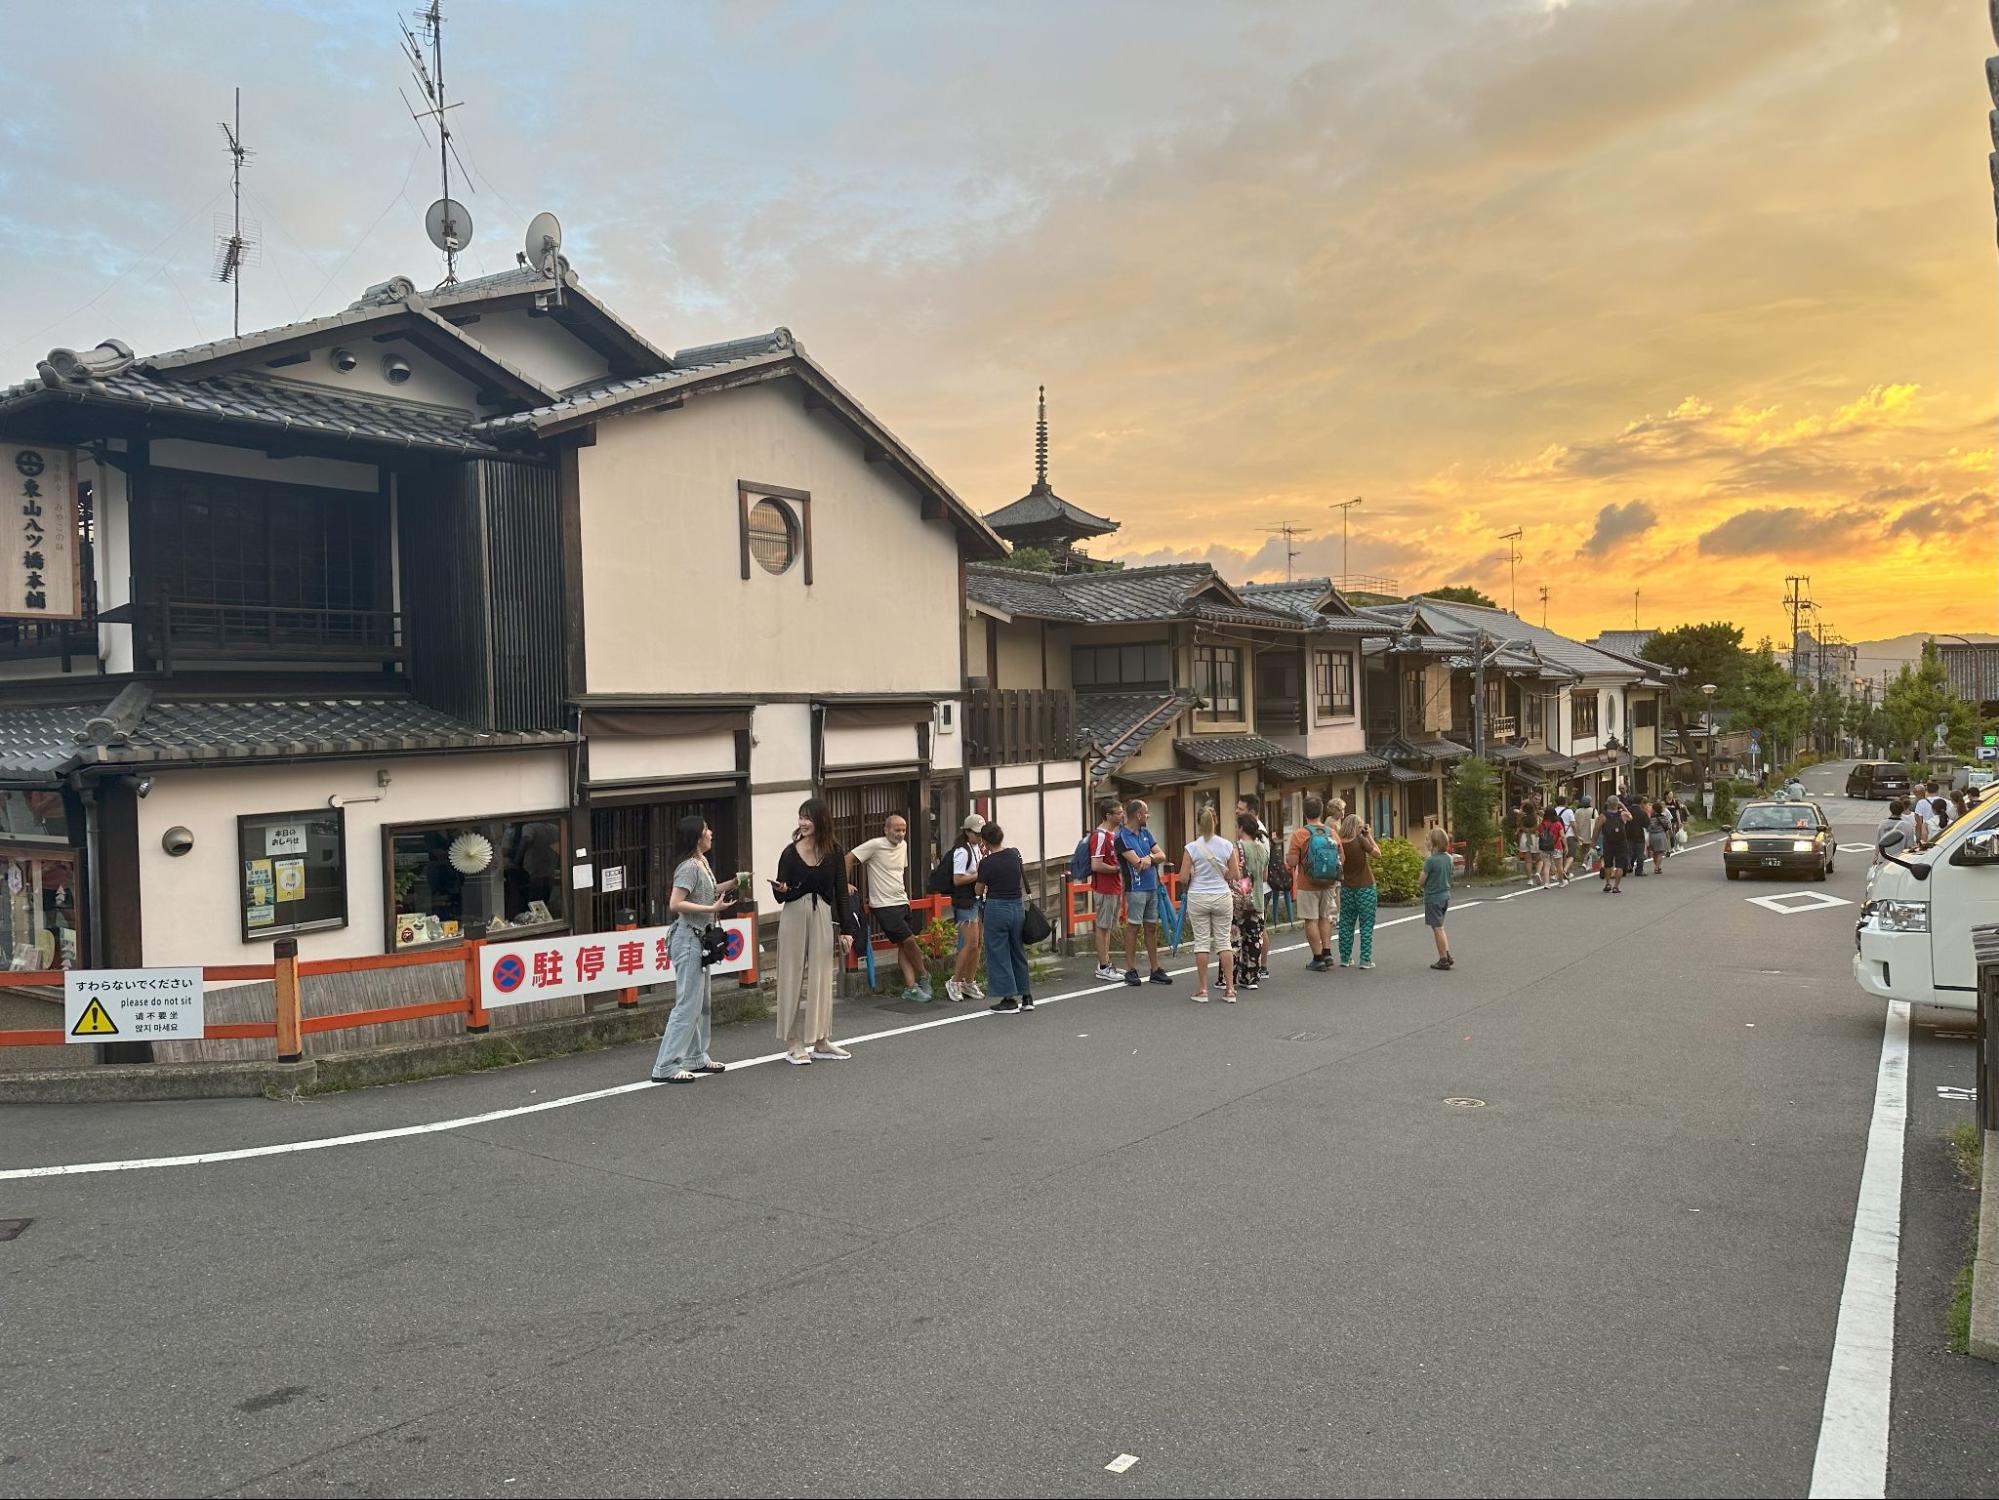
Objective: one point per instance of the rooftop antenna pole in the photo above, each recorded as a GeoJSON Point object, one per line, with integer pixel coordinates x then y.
{"type": "Point", "coordinates": [1512, 538]}
{"type": "Point", "coordinates": [1345, 507]}
{"type": "Point", "coordinates": [1041, 441]}
{"type": "Point", "coordinates": [1287, 530]}
{"type": "Point", "coordinates": [1634, 607]}
{"type": "Point", "coordinates": [1544, 606]}
{"type": "Point", "coordinates": [448, 224]}
{"type": "Point", "coordinates": [231, 254]}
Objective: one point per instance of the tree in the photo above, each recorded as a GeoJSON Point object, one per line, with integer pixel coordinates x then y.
{"type": "Point", "coordinates": [1459, 593]}
{"type": "Point", "coordinates": [1920, 696]}
{"type": "Point", "coordinates": [1029, 560]}
{"type": "Point", "coordinates": [1474, 794]}
{"type": "Point", "coordinates": [1766, 698]}
{"type": "Point", "coordinates": [1698, 654]}
{"type": "Point", "coordinates": [1832, 714]}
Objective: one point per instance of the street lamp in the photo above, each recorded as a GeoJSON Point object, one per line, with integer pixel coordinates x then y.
{"type": "Point", "coordinates": [1708, 690]}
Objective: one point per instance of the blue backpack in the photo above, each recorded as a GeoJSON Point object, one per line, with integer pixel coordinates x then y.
{"type": "Point", "coordinates": [1322, 855]}
{"type": "Point", "coordinates": [1079, 862]}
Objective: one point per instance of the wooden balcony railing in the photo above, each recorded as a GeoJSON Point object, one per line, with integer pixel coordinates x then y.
{"type": "Point", "coordinates": [1016, 726]}
{"type": "Point", "coordinates": [183, 632]}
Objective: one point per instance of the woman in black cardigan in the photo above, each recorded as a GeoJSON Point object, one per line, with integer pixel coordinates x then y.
{"type": "Point", "coordinates": [812, 939]}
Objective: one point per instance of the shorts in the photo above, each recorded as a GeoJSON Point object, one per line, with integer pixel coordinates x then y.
{"type": "Point", "coordinates": [1141, 909]}
{"type": "Point", "coordinates": [893, 923]}
{"type": "Point", "coordinates": [1433, 912]}
{"type": "Point", "coordinates": [964, 915]}
{"type": "Point", "coordinates": [1208, 914]}
{"type": "Point", "coordinates": [1318, 904]}
{"type": "Point", "coordinates": [1613, 859]}
{"type": "Point", "coordinates": [1108, 913]}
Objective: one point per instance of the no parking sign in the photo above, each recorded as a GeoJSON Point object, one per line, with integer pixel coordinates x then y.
{"type": "Point", "coordinates": [547, 968]}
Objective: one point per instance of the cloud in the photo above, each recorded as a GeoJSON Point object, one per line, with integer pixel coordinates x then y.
{"type": "Point", "coordinates": [1952, 518]}
{"type": "Point", "coordinates": [1617, 524]}
{"type": "Point", "coordinates": [1781, 529]}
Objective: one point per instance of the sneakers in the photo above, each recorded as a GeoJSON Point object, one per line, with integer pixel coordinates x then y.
{"type": "Point", "coordinates": [1443, 963]}
{"type": "Point", "coordinates": [917, 996]}
{"type": "Point", "coordinates": [1365, 963]}
{"type": "Point", "coordinates": [799, 1059]}
{"type": "Point", "coordinates": [1159, 976]}
{"type": "Point", "coordinates": [1131, 977]}
{"type": "Point", "coordinates": [1105, 971]}
{"type": "Point", "coordinates": [1249, 983]}
{"type": "Point", "coordinates": [1318, 965]}
{"type": "Point", "coordinates": [1199, 997]}
{"type": "Point", "coordinates": [972, 991]}
{"type": "Point", "coordinates": [1027, 1002]}
{"type": "Point", "coordinates": [953, 990]}
{"type": "Point", "coordinates": [1228, 997]}
{"type": "Point", "coordinates": [1004, 1007]}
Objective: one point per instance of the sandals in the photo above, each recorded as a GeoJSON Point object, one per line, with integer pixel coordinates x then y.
{"type": "Point", "coordinates": [710, 1067]}
{"type": "Point", "coordinates": [683, 1076]}
{"type": "Point", "coordinates": [798, 1059]}
{"type": "Point", "coordinates": [1200, 997]}
{"type": "Point", "coordinates": [831, 1051]}
{"type": "Point", "coordinates": [1228, 997]}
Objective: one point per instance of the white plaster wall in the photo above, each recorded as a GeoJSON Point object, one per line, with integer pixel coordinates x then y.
{"type": "Point", "coordinates": [539, 346]}
{"type": "Point", "coordinates": [773, 816]}
{"type": "Point", "coordinates": [216, 458]}
{"type": "Point", "coordinates": [661, 536]}
{"type": "Point", "coordinates": [620, 757]}
{"type": "Point", "coordinates": [191, 904]}
{"type": "Point", "coordinates": [429, 381]}
{"type": "Point", "coordinates": [947, 751]}
{"type": "Point", "coordinates": [113, 496]}
{"type": "Point", "coordinates": [781, 742]}
{"type": "Point", "coordinates": [879, 745]}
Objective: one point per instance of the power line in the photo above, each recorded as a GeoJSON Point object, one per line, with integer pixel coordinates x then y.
{"type": "Point", "coordinates": [414, 155]}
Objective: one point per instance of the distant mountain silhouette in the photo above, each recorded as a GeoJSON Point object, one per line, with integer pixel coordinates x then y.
{"type": "Point", "coordinates": [1897, 649]}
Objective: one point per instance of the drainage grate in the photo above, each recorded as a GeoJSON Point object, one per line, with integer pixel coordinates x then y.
{"type": "Point", "coordinates": [10, 1229]}
{"type": "Point", "coordinates": [1465, 1103]}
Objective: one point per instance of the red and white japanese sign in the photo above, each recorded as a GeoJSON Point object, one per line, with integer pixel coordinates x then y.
{"type": "Point", "coordinates": [547, 968]}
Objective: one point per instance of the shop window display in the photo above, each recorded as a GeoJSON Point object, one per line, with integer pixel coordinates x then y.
{"type": "Point", "coordinates": [491, 876]}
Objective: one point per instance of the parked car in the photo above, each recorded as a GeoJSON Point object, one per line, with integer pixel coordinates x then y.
{"type": "Point", "coordinates": [1779, 838]}
{"type": "Point", "coordinates": [1914, 934]}
{"type": "Point", "coordinates": [1878, 780]}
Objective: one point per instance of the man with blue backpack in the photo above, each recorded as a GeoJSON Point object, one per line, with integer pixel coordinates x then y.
{"type": "Point", "coordinates": [1313, 858]}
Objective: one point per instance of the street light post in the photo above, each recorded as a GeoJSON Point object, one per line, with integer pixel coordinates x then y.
{"type": "Point", "coordinates": [1707, 748]}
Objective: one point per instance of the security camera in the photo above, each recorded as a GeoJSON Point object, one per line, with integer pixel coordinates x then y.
{"type": "Point", "coordinates": [345, 360]}
{"type": "Point", "coordinates": [395, 369]}
{"type": "Point", "coordinates": [177, 841]}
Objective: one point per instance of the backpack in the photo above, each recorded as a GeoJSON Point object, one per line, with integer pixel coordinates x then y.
{"type": "Point", "coordinates": [1079, 862]}
{"type": "Point", "coordinates": [1547, 840]}
{"type": "Point", "coordinates": [943, 879]}
{"type": "Point", "coordinates": [1278, 877]}
{"type": "Point", "coordinates": [1322, 855]}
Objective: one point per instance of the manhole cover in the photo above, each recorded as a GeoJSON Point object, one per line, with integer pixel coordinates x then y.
{"type": "Point", "coordinates": [1465, 1103]}
{"type": "Point", "coordinates": [10, 1229]}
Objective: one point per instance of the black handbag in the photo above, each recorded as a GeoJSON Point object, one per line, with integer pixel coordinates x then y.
{"type": "Point", "coordinates": [1034, 926]}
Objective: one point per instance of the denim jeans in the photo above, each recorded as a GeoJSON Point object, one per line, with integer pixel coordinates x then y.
{"type": "Point", "coordinates": [685, 1044]}
{"type": "Point", "coordinates": [1006, 955]}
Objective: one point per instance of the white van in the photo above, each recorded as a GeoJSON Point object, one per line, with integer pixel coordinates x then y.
{"type": "Point", "coordinates": [1914, 935]}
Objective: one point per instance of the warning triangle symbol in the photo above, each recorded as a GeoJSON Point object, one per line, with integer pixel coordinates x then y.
{"type": "Point", "coordinates": [95, 1021]}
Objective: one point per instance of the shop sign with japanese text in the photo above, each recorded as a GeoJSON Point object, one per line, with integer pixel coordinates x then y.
{"type": "Point", "coordinates": [39, 574]}
{"type": "Point", "coordinates": [548, 968]}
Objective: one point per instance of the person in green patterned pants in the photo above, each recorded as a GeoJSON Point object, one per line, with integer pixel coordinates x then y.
{"type": "Point", "coordinates": [1357, 892]}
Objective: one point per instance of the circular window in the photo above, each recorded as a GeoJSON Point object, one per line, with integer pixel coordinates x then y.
{"type": "Point", "coordinates": [773, 535]}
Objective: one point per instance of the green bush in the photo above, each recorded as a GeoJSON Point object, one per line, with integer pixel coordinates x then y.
{"type": "Point", "coordinates": [1398, 873]}
{"type": "Point", "coordinates": [1724, 802]}
{"type": "Point", "coordinates": [1474, 794]}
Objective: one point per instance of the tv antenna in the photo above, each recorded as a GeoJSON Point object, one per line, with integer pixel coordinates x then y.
{"type": "Point", "coordinates": [447, 222]}
{"type": "Point", "coordinates": [235, 249]}
{"type": "Point", "coordinates": [1288, 530]}
{"type": "Point", "coordinates": [1345, 508]}
{"type": "Point", "coordinates": [1512, 538]}
{"type": "Point", "coordinates": [1544, 606]}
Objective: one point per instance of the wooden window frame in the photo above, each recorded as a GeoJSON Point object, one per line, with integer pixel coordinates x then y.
{"type": "Point", "coordinates": [1578, 700]}
{"type": "Point", "coordinates": [389, 831]}
{"type": "Point", "coordinates": [1329, 709]}
{"type": "Point", "coordinates": [747, 494]}
{"type": "Point", "coordinates": [1206, 683]}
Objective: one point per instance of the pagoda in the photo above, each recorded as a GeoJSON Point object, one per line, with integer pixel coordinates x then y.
{"type": "Point", "coordinates": [1042, 518]}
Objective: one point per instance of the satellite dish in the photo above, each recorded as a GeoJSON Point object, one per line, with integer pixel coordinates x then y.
{"type": "Point", "coordinates": [544, 243]}
{"type": "Point", "coordinates": [449, 225]}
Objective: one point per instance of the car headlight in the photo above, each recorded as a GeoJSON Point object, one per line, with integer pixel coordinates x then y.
{"type": "Point", "coordinates": [1803, 846]}
{"type": "Point", "coordinates": [1738, 846]}
{"type": "Point", "coordinates": [1898, 916]}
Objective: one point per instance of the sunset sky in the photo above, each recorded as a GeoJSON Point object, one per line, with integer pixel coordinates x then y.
{"type": "Point", "coordinates": [1697, 294]}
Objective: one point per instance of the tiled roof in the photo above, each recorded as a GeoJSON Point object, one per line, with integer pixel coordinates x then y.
{"type": "Point", "coordinates": [1403, 773]}
{"type": "Point", "coordinates": [527, 279]}
{"type": "Point", "coordinates": [1400, 749]}
{"type": "Point", "coordinates": [1339, 765]}
{"type": "Point", "coordinates": [1302, 598]}
{"type": "Point", "coordinates": [1040, 506]}
{"type": "Point", "coordinates": [1120, 724]}
{"type": "Point", "coordinates": [1122, 595]}
{"type": "Point", "coordinates": [1551, 764]}
{"type": "Point", "coordinates": [1549, 645]}
{"type": "Point", "coordinates": [1623, 642]}
{"type": "Point", "coordinates": [1018, 591]}
{"type": "Point", "coordinates": [700, 364]}
{"type": "Point", "coordinates": [267, 401]}
{"type": "Point", "coordinates": [1505, 753]}
{"type": "Point", "coordinates": [41, 743]}
{"type": "Point", "coordinates": [1226, 749]}
{"type": "Point", "coordinates": [1289, 767]}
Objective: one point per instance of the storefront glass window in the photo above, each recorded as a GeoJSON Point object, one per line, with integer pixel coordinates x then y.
{"type": "Point", "coordinates": [294, 872]}
{"type": "Point", "coordinates": [37, 910]}
{"type": "Point", "coordinates": [495, 875]}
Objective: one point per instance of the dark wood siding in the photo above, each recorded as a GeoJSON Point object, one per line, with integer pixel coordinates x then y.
{"type": "Point", "coordinates": [482, 593]}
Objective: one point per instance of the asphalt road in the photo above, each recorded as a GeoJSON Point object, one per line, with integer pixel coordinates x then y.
{"type": "Point", "coordinates": [1256, 1246]}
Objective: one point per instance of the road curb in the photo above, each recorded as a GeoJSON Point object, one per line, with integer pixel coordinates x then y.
{"type": "Point", "coordinates": [1985, 1268]}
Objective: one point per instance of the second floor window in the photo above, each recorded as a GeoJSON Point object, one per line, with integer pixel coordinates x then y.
{"type": "Point", "coordinates": [1645, 713]}
{"type": "Point", "coordinates": [1582, 714]}
{"type": "Point", "coordinates": [1332, 675]}
{"type": "Point", "coordinates": [1146, 664]}
{"type": "Point", "coordinates": [1218, 679]}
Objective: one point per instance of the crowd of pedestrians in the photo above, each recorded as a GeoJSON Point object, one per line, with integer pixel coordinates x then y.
{"type": "Point", "coordinates": [1558, 843]}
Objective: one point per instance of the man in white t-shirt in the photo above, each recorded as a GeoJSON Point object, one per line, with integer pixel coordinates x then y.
{"type": "Point", "coordinates": [887, 859]}
{"type": "Point", "coordinates": [1568, 817]}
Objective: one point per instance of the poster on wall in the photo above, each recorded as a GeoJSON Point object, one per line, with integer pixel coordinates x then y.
{"type": "Point", "coordinates": [291, 879]}
{"type": "Point", "coordinates": [259, 893]}
{"type": "Point", "coordinates": [40, 571]}
{"type": "Point", "coordinates": [284, 838]}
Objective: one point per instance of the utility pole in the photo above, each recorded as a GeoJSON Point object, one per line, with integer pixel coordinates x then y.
{"type": "Point", "coordinates": [1544, 606]}
{"type": "Point", "coordinates": [1346, 566]}
{"type": "Point", "coordinates": [1512, 538]}
{"type": "Point", "coordinates": [1797, 599]}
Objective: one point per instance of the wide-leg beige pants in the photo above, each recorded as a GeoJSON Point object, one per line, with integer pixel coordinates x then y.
{"type": "Point", "coordinates": [807, 959]}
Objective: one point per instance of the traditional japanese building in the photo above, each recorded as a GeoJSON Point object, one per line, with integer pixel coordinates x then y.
{"type": "Point", "coordinates": [1043, 519]}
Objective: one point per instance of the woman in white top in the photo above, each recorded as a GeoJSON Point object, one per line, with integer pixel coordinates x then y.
{"type": "Point", "coordinates": [1209, 871]}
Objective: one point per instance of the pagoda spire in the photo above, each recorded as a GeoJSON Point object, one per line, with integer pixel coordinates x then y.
{"type": "Point", "coordinates": [1041, 442]}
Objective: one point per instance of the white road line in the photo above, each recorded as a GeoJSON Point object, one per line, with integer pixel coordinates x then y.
{"type": "Point", "coordinates": [1853, 1432]}
{"type": "Point", "coordinates": [363, 1138]}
